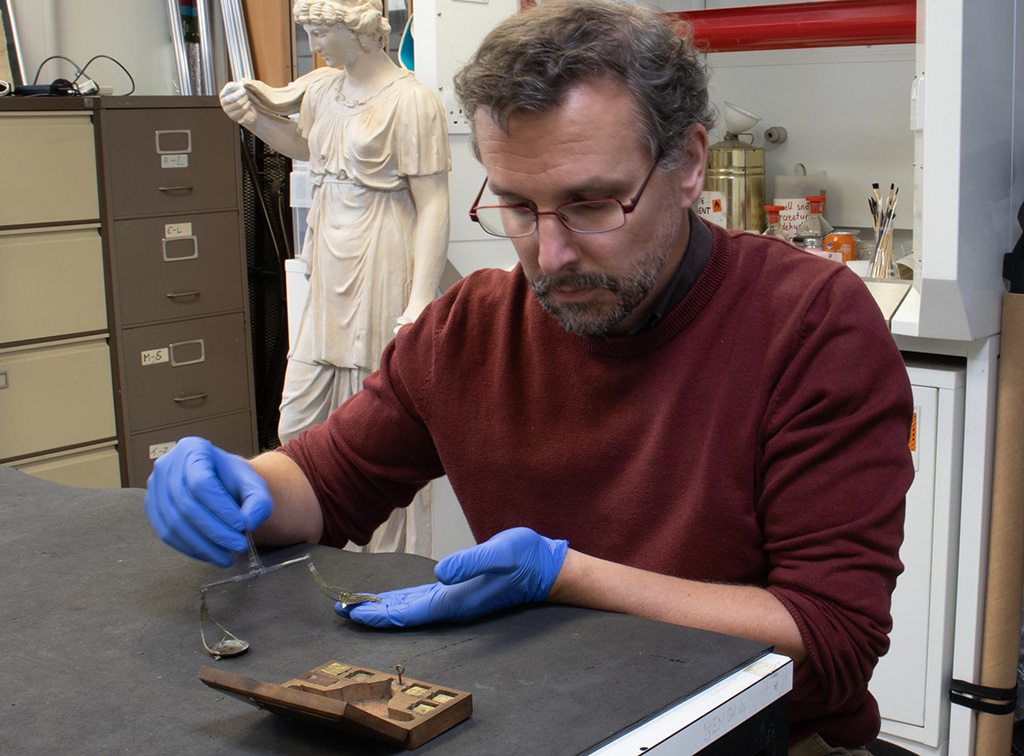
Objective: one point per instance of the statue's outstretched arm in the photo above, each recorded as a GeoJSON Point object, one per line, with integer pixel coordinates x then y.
{"type": "Point", "coordinates": [263, 110]}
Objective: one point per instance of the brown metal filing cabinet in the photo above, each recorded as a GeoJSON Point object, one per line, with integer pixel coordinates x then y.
{"type": "Point", "coordinates": [173, 230]}
{"type": "Point", "coordinates": [177, 323]}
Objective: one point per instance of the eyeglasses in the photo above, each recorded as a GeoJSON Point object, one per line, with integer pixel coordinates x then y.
{"type": "Point", "coordinates": [585, 217]}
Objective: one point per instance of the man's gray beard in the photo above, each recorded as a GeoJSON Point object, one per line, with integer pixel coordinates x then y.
{"type": "Point", "coordinates": [630, 290]}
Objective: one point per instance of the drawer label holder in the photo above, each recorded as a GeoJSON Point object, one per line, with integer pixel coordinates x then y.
{"type": "Point", "coordinates": [173, 146]}
{"type": "Point", "coordinates": [188, 348]}
{"type": "Point", "coordinates": [190, 244]}
{"type": "Point", "coordinates": [173, 141]}
{"type": "Point", "coordinates": [179, 354]}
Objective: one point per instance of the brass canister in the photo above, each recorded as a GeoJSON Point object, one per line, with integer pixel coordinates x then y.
{"type": "Point", "coordinates": [736, 169]}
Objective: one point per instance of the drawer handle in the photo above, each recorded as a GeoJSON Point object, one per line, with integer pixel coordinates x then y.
{"type": "Point", "coordinates": [4, 383]}
{"type": "Point", "coordinates": [169, 135]}
{"type": "Point", "coordinates": [202, 352]}
{"type": "Point", "coordinates": [175, 188]}
{"type": "Point", "coordinates": [193, 398]}
{"type": "Point", "coordinates": [181, 294]}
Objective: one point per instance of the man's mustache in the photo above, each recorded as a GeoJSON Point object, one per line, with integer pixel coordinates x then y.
{"type": "Point", "coordinates": [542, 283]}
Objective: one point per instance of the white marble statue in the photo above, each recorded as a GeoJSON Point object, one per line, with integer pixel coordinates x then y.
{"type": "Point", "coordinates": [378, 225]}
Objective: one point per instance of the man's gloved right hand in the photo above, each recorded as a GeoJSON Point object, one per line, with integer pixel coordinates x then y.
{"type": "Point", "coordinates": [516, 566]}
{"type": "Point", "coordinates": [200, 498]}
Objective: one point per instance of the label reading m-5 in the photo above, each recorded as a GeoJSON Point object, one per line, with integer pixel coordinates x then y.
{"type": "Point", "coordinates": [156, 356]}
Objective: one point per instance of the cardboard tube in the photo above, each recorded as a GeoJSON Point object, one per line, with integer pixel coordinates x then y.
{"type": "Point", "coordinates": [1001, 636]}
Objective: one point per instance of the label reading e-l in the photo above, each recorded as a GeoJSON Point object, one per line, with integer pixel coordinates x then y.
{"type": "Point", "coordinates": [177, 230]}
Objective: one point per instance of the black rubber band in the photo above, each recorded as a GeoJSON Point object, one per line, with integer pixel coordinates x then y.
{"type": "Point", "coordinates": [998, 701]}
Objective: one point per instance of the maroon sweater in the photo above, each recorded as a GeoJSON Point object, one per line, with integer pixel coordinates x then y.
{"type": "Point", "coordinates": [757, 435]}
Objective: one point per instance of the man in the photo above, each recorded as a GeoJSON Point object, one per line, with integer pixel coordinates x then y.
{"type": "Point", "coordinates": [649, 415]}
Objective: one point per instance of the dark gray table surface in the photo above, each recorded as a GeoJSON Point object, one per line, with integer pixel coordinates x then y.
{"type": "Point", "coordinates": [100, 646]}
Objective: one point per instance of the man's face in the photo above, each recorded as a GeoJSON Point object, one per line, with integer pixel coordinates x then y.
{"type": "Point", "coordinates": [590, 148]}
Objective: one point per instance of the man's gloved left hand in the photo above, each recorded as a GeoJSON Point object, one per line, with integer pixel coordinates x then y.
{"type": "Point", "coordinates": [514, 567]}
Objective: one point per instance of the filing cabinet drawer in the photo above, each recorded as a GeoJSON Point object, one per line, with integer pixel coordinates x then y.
{"type": "Point", "coordinates": [186, 370]}
{"type": "Point", "coordinates": [51, 284]}
{"type": "Point", "coordinates": [170, 160]}
{"type": "Point", "coordinates": [53, 156]}
{"type": "Point", "coordinates": [232, 433]}
{"type": "Point", "coordinates": [55, 396]}
{"type": "Point", "coordinates": [95, 467]}
{"type": "Point", "coordinates": [178, 266]}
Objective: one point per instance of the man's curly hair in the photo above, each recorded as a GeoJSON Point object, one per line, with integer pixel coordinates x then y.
{"type": "Point", "coordinates": [531, 61]}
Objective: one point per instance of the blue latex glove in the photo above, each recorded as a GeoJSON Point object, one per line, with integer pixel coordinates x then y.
{"type": "Point", "coordinates": [200, 498]}
{"type": "Point", "coordinates": [514, 567]}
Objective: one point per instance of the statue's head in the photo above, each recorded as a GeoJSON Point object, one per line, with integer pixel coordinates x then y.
{"type": "Point", "coordinates": [364, 17]}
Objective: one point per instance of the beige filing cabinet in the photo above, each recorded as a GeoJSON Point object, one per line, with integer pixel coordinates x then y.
{"type": "Point", "coordinates": [149, 280]}
{"type": "Point", "coordinates": [56, 384]}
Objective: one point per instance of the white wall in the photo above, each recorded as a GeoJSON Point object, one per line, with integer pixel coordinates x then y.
{"type": "Point", "coordinates": [846, 111]}
{"type": "Point", "coordinates": [134, 32]}
{"type": "Point", "coordinates": [448, 32]}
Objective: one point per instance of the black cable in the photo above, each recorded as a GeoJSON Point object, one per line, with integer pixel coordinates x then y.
{"type": "Point", "coordinates": [114, 60]}
{"type": "Point", "coordinates": [80, 71]}
{"type": "Point", "coordinates": [270, 400]}
{"type": "Point", "coordinates": [279, 355]}
{"type": "Point", "coordinates": [250, 163]}
{"type": "Point", "coordinates": [39, 70]}
{"type": "Point", "coordinates": [282, 220]}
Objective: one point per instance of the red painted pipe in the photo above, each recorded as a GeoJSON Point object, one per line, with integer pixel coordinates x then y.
{"type": "Point", "coordinates": [828, 23]}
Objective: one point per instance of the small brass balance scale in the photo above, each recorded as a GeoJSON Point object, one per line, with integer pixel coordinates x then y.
{"type": "Point", "coordinates": [361, 701]}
